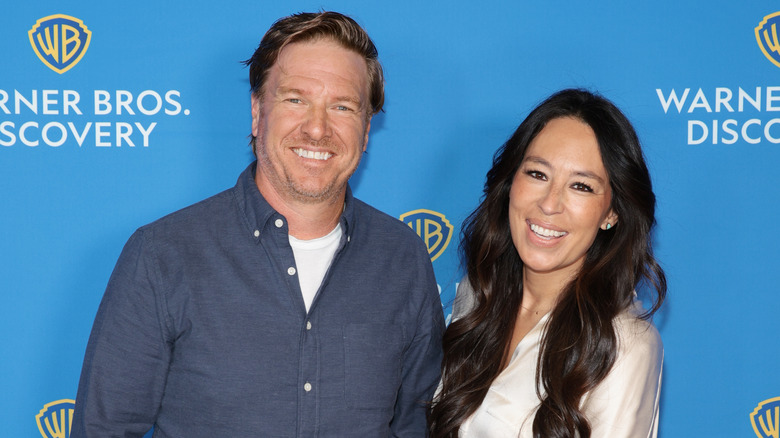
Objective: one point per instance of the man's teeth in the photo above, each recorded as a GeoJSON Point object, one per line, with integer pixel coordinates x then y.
{"type": "Point", "coordinates": [545, 232]}
{"type": "Point", "coordinates": [311, 154]}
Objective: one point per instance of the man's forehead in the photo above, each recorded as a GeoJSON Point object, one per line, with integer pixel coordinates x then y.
{"type": "Point", "coordinates": [315, 44]}
{"type": "Point", "coordinates": [307, 63]}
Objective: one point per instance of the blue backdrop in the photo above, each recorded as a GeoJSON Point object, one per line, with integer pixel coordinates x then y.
{"type": "Point", "coordinates": [154, 115]}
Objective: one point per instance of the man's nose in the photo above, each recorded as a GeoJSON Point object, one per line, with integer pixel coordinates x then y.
{"type": "Point", "coordinates": [317, 124]}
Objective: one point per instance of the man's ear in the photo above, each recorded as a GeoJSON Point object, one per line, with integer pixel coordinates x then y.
{"type": "Point", "coordinates": [365, 138]}
{"type": "Point", "coordinates": [256, 102]}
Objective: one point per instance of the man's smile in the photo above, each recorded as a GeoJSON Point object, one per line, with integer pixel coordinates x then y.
{"type": "Point", "coordinates": [312, 154]}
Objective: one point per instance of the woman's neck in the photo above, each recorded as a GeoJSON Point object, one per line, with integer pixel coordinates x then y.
{"type": "Point", "coordinates": [541, 290]}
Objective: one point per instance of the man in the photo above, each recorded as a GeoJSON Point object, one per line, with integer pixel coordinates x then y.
{"type": "Point", "coordinates": [282, 307]}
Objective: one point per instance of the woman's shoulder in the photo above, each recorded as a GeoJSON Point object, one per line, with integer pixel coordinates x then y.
{"type": "Point", "coordinates": [625, 403]}
{"type": "Point", "coordinates": [636, 334]}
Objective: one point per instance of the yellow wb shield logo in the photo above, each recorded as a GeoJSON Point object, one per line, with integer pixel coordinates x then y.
{"type": "Point", "coordinates": [60, 41]}
{"type": "Point", "coordinates": [434, 229]}
{"type": "Point", "coordinates": [767, 37]}
{"type": "Point", "coordinates": [766, 418]}
{"type": "Point", "coordinates": [55, 418]}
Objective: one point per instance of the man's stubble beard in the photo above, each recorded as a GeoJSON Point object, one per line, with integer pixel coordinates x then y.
{"type": "Point", "coordinates": [285, 183]}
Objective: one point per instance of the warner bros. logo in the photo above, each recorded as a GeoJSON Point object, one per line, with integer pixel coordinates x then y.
{"type": "Point", "coordinates": [767, 37]}
{"type": "Point", "coordinates": [765, 418]}
{"type": "Point", "coordinates": [434, 229]}
{"type": "Point", "coordinates": [60, 41]}
{"type": "Point", "coordinates": [55, 418]}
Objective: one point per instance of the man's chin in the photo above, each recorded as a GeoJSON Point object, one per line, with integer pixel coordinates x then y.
{"type": "Point", "coordinates": [316, 194]}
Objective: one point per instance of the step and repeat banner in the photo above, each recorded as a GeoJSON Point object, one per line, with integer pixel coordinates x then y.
{"type": "Point", "coordinates": [115, 114]}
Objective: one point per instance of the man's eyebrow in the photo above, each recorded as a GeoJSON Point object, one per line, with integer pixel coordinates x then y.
{"type": "Point", "coordinates": [292, 90]}
{"type": "Point", "coordinates": [288, 90]}
{"type": "Point", "coordinates": [352, 99]}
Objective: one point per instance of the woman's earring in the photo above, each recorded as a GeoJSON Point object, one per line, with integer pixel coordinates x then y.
{"type": "Point", "coordinates": [608, 226]}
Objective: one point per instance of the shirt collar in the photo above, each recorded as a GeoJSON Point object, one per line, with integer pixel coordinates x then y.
{"type": "Point", "coordinates": [257, 211]}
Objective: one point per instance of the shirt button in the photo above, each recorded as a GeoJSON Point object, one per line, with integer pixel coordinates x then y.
{"type": "Point", "coordinates": [308, 325]}
{"type": "Point", "coordinates": [291, 270]}
{"type": "Point", "coordinates": [257, 233]}
{"type": "Point", "coordinates": [307, 387]}
{"type": "Point", "coordinates": [348, 237]}
{"type": "Point", "coordinates": [279, 223]}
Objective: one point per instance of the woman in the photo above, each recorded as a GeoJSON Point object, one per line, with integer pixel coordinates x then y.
{"type": "Point", "coordinates": [548, 339]}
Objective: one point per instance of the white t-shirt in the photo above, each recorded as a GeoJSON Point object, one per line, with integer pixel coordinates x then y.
{"type": "Point", "coordinates": [313, 258]}
{"type": "Point", "coordinates": [623, 405]}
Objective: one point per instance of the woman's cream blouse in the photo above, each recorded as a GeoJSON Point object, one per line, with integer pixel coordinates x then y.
{"type": "Point", "coordinates": [624, 404]}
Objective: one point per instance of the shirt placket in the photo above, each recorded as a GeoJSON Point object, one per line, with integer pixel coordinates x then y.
{"type": "Point", "coordinates": [308, 387]}
{"type": "Point", "coordinates": [309, 379]}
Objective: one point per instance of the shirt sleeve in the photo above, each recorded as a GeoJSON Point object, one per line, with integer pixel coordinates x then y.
{"type": "Point", "coordinates": [465, 299]}
{"type": "Point", "coordinates": [421, 369]}
{"type": "Point", "coordinates": [127, 356]}
{"type": "Point", "coordinates": [625, 403]}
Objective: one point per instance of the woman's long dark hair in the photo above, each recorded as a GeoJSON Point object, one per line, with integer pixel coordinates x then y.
{"type": "Point", "coordinates": [579, 346]}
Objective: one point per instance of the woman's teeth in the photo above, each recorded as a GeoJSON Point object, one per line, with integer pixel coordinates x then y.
{"type": "Point", "coordinates": [544, 232]}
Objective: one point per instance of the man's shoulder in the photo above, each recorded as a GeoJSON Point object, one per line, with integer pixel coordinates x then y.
{"type": "Point", "coordinates": [381, 225]}
{"type": "Point", "coordinates": [193, 216]}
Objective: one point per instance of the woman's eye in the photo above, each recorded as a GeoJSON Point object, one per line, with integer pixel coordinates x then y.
{"type": "Point", "coordinates": [582, 187]}
{"type": "Point", "coordinates": [535, 174]}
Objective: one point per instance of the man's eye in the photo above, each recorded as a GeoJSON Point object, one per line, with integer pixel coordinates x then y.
{"type": "Point", "coordinates": [294, 100]}
{"type": "Point", "coordinates": [343, 108]}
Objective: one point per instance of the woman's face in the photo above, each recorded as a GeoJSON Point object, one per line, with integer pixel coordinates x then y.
{"type": "Point", "coordinates": [560, 197]}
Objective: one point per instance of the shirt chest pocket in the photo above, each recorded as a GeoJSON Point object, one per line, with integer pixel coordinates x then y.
{"type": "Point", "coordinates": [373, 365]}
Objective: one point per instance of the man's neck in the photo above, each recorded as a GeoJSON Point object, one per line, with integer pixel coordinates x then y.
{"type": "Point", "coordinates": [310, 221]}
{"type": "Point", "coordinates": [305, 220]}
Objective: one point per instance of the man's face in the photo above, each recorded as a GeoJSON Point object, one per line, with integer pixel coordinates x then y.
{"type": "Point", "coordinates": [311, 123]}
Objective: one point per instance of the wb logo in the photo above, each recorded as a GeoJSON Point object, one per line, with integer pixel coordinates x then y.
{"type": "Point", "coordinates": [767, 37]}
{"type": "Point", "coordinates": [766, 418]}
{"type": "Point", "coordinates": [60, 41]}
{"type": "Point", "coordinates": [55, 418]}
{"type": "Point", "coordinates": [434, 229]}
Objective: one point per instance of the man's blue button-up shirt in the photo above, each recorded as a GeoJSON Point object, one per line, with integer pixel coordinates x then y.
{"type": "Point", "coordinates": [202, 331]}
